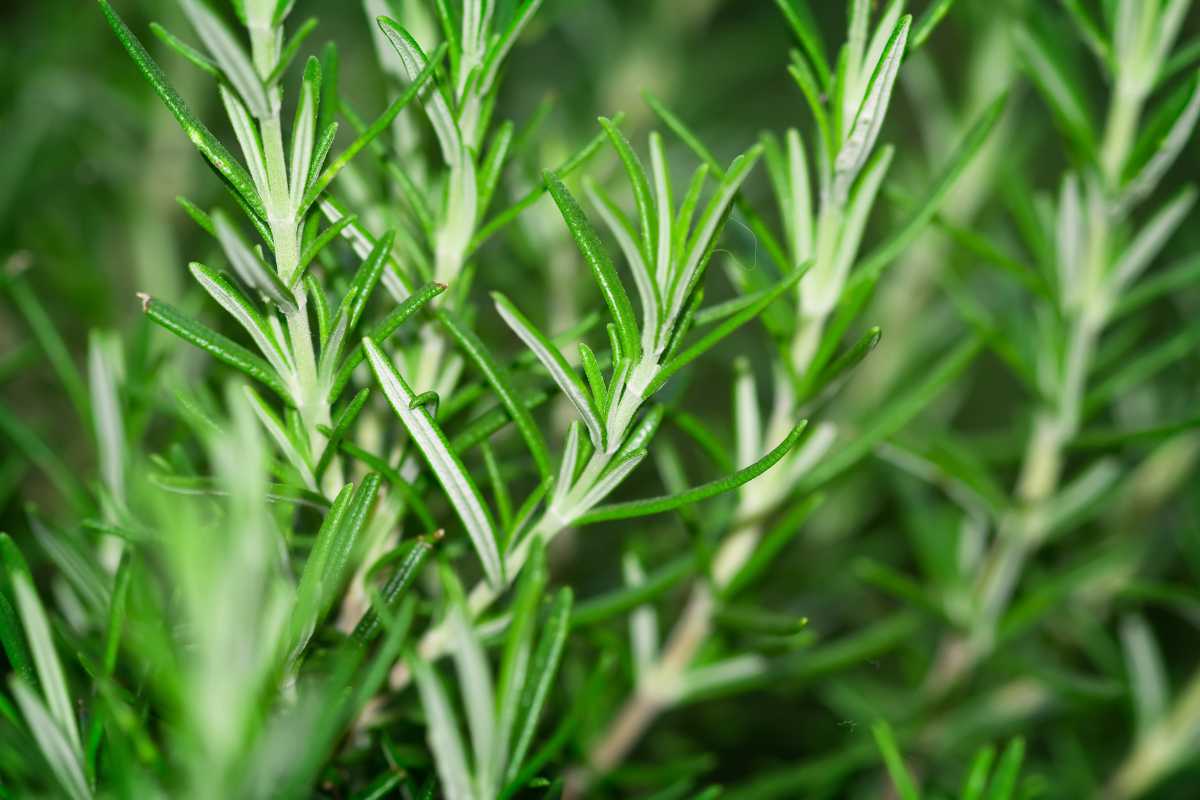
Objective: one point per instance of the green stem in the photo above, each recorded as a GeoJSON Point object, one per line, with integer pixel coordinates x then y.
{"type": "Point", "coordinates": [310, 400]}
{"type": "Point", "coordinates": [1120, 130]}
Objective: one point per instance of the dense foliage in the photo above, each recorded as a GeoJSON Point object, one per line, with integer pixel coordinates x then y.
{"type": "Point", "coordinates": [818, 422]}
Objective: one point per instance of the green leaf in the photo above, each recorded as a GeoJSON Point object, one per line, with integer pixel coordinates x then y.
{"type": "Point", "coordinates": [219, 347]}
{"type": "Point", "coordinates": [392, 476]}
{"type": "Point", "coordinates": [505, 217]}
{"type": "Point", "coordinates": [814, 97]}
{"type": "Point", "coordinates": [868, 121]}
{"type": "Point", "coordinates": [807, 32]}
{"type": "Point", "coordinates": [310, 592]}
{"type": "Point", "coordinates": [595, 378]}
{"type": "Point", "coordinates": [641, 434]}
{"type": "Point", "coordinates": [517, 659]}
{"type": "Point", "coordinates": [290, 50]}
{"type": "Point", "coordinates": [41, 644]}
{"type": "Point", "coordinates": [602, 267]}
{"type": "Point", "coordinates": [229, 54]}
{"type": "Point", "coordinates": [117, 612]}
{"type": "Point", "coordinates": [197, 59]}
{"type": "Point", "coordinates": [13, 639]}
{"type": "Point", "coordinates": [238, 307]}
{"type": "Point", "coordinates": [381, 124]}
{"type": "Point", "coordinates": [552, 359]}
{"type": "Point", "coordinates": [246, 131]}
{"type": "Point", "coordinates": [414, 557]}
{"type": "Point", "coordinates": [975, 784]}
{"type": "Point", "coordinates": [621, 230]}
{"type": "Point", "coordinates": [647, 215]}
{"type": "Point", "coordinates": [462, 492]}
{"type": "Point", "coordinates": [204, 140]}
{"type": "Point", "coordinates": [1151, 239]}
{"type": "Point", "coordinates": [248, 264]}
{"type": "Point", "coordinates": [366, 278]}
{"type": "Point", "coordinates": [338, 561]}
{"type": "Point", "coordinates": [197, 214]}
{"type": "Point", "coordinates": [873, 264]}
{"type": "Point", "coordinates": [897, 413]}
{"type": "Point", "coordinates": [713, 337]}
{"type": "Point", "coordinates": [658, 505]}
{"type": "Point", "coordinates": [320, 242]}
{"type": "Point", "coordinates": [395, 280]}
{"type": "Point", "coordinates": [858, 210]}
{"type": "Point", "coordinates": [701, 242]}
{"type": "Point", "coordinates": [474, 684]}
{"type": "Point", "coordinates": [934, 13]}
{"type": "Point", "coordinates": [542, 671]}
{"type": "Point", "coordinates": [304, 132]}
{"type": "Point", "coordinates": [1004, 782]}
{"type": "Point", "coordinates": [843, 365]}
{"type": "Point", "coordinates": [1184, 272]}
{"type": "Point", "coordinates": [619, 601]}
{"type": "Point", "coordinates": [1057, 87]}
{"type": "Point", "coordinates": [341, 426]}
{"type": "Point", "coordinates": [612, 477]}
{"type": "Point", "coordinates": [442, 732]}
{"type": "Point", "coordinates": [436, 104]}
{"type": "Point", "coordinates": [902, 780]}
{"type": "Point", "coordinates": [497, 376]}
{"type": "Point", "coordinates": [381, 331]}
{"type": "Point", "coordinates": [664, 205]}
{"type": "Point", "coordinates": [489, 171]}
{"type": "Point", "coordinates": [294, 451]}
{"type": "Point", "coordinates": [60, 753]}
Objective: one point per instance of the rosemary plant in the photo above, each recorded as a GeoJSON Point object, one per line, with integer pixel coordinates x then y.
{"type": "Point", "coordinates": [429, 494]}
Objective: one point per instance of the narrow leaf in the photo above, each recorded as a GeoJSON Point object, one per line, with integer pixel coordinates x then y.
{"type": "Point", "coordinates": [208, 144]}
{"type": "Point", "coordinates": [497, 376]}
{"type": "Point", "coordinates": [602, 268]}
{"type": "Point", "coordinates": [447, 468]}
{"type": "Point", "coordinates": [658, 505]}
{"type": "Point", "coordinates": [552, 359]}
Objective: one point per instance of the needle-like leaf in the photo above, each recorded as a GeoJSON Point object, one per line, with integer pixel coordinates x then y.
{"type": "Point", "coordinates": [462, 492]}
{"type": "Point", "coordinates": [497, 376]}
{"type": "Point", "coordinates": [602, 267]}
{"type": "Point", "coordinates": [552, 359]}
{"type": "Point", "coordinates": [225, 350]}
{"type": "Point", "coordinates": [445, 741]}
{"type": "Point", "coordinates": [208, 144]}
{"type": "Point", "coordinates": [228, 53]}
{"type": "Point", "coordinates": [41, 643]}
{"type": "Point", "coordinates": [420, 78]}
{"type": "Point", "coordinates": [724, 329]}
{"type": "Point", "coordinates": [542, 671]}
{"type": "Point", "coordinates": [902, 780]}
{"type": "Point", "coordinates": [658, 505]}
{"type": "Point", "coordinates": [238, 307]}
{"type": "Point", "coordinates": [860, 142]}
{"type": "Point", "coordinates": [381, 331]}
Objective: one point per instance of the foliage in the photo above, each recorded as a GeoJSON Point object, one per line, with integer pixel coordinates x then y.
{"type": "Point", "coordinates": [413, 483]}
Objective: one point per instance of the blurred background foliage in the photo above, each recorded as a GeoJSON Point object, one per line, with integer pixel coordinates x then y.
{"type": "Point", "coordinates": [89, 168]}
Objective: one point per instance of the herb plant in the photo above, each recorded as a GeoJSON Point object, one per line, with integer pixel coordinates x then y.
{"type": "Point", "coordinates": [402, 504]}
